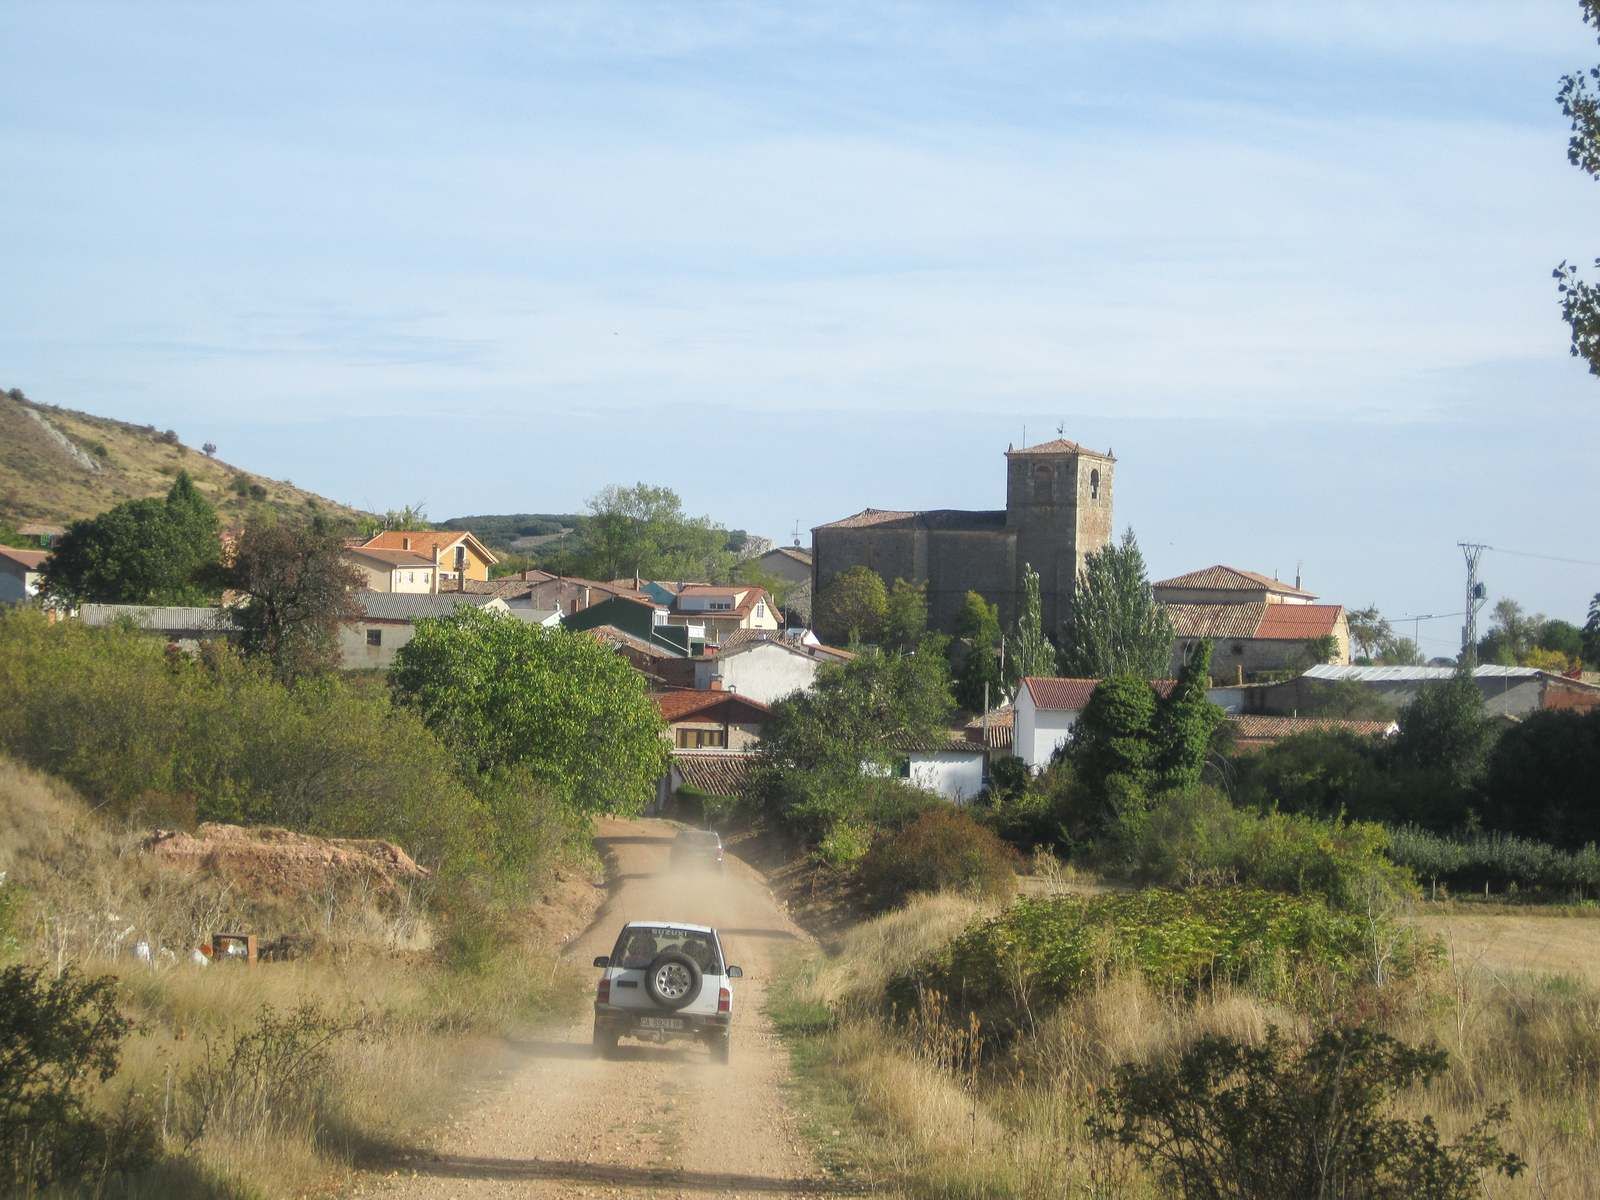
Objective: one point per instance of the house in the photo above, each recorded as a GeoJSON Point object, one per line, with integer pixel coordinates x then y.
{"type": "Point", "coordinates": [185, 627]}
{"type": "Point", "coordinates": [948, 765]}
{"type": "Point", "coordinates": [641, 618]}
{"type": "Point", "coordinates": [392, 570]}
{"type": "Point", "coordinates": [654, 660]}
{"type": "Point", "coordinates": [762, 665]}
{"type": "Point", "coordinates": [720, 609]}
{"type": "Point", "coordinates": [457, 553]}
{"type": "Point", "coordinates": [20, 572]}
{"type": "Point", "coordinates": [1047, 709]}
{"type": "Point", "coordinates": [711, 720]}
{"type": "Point", "coordinates": [996, 730]}
{"type": "Point", "coordinates": [388, 621]}
{"type": "Point", "coordinates": [46, 535]}
{"type": "Point", "coordinates": [545, 618]}
{"type": "Point", "coordinates": [1252, 732]}
{"type": "Point", "coordinates": [569, 593]}
{"type": "Point", "coordinates": [1258, 636]}
{"type": "Point", "coordinates": [1228, 585]}
{"type": "Point", "coordinates": [789, 563]}
{"type": "Point", "coordinates": [1511, 692]}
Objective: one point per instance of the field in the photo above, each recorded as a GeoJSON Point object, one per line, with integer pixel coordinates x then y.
{"type": "Point", "coordinates": [1505, 942]}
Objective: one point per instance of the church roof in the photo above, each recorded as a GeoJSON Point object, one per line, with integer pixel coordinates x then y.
{"type": "Point", "coordinates": [1231, 579]}
{"type": "Point", "coordinates": [933, 518]}
{"type": "Point", "coordinates": [1054, 446]}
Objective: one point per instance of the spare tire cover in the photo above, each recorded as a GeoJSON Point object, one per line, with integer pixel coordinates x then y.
{"type": "Point", "coordinates": [673, 979]}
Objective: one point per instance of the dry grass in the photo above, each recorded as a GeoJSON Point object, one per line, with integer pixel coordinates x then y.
{"type": "Point", "coordinates": [417, 1028]}
{"type": "Point", "coordinates": [946, 1124]}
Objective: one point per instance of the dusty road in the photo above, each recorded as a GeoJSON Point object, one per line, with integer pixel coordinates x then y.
{"type": "Point", "coordinates": [658, 1120]}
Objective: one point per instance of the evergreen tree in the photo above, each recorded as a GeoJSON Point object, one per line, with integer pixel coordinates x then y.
{"type": "Point", "coordinates": [1031, 651]}
{"type": "Point", "coordinates": [1116, 627]}
{"type": "Point", "coordinates": [978, 629]}
{"type": "Point", "coordinates": [905, 618]}
{"type": "Point", "coordinates": [1185, 721]}
{"type": "Point", "coordinates": [1446, 730]}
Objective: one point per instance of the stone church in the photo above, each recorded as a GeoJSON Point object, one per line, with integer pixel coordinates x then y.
{"type": "Point", "coordinates": [1058, 509]}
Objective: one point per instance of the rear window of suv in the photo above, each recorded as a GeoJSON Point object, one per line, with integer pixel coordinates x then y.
{"type": "Point", "coordinates": [696, 837]}
{"type": "Point", "coordinates": [638, 946]}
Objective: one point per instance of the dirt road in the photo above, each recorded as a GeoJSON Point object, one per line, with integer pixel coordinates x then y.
{"type": "Point", "coordinates": [658, 1120]}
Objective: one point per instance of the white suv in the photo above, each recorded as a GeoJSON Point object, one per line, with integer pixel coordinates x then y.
{"type": "Point", "coordinates": [665, 980]}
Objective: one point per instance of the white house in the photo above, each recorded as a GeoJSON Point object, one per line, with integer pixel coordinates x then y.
{"type": "Point", "coordinates": [392, 570]}
{"type": "Point", "coordinates": [1047, 708]}
{"type": "Point", "coordinates": [954, 771]}
{"type": "Point", "coordinates": [19, 573]}
{"type": "Point", "coordinates": [764, 670]}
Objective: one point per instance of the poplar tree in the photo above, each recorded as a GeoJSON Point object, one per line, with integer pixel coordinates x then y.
{"type": "Point", "coordinates": [1115, 626]}
{"type": "Point", "coordinates": [1031, 649]}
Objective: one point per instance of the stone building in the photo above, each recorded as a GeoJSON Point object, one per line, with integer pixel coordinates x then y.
{"type": "Point", "coordinates": [1058, 509]}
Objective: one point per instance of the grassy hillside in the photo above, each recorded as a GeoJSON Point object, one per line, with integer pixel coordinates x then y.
{"type": "Point", "coordinates": [57, 465]}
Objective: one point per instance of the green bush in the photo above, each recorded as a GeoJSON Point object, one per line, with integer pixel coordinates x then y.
{"type": "Point", "coordinates": [942, 849]}
{"type": "Point", "coordinates": [1496, 860]}
{"type": "Point", "coordinates": [1266, 1122]}
{"type": "Point", "coordinates": [1041, 951]}
{"type": "Point", "coordinates": [1197, 837]}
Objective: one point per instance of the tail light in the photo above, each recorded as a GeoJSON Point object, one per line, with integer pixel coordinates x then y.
{"type": "Point", "coordinates": [602, 992]}
{"type": "Point", "coordinates": [724, 1000]}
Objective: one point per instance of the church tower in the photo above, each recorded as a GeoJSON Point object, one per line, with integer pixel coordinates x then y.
{"type": "Point", "coordinates": [1058, 508]}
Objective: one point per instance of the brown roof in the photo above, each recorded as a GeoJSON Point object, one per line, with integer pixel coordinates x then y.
{"type": "Point", "coordinates": [30, 560]}
{"type": "Point", "coordinates": [1299, 622]}
{"type": "Point", "coordinates": [794, 552]}
{"type": "Point", "coordinates": [1222, 622]}
{"type": "Point", "coordinates": [392, 558]}
{"type": "Point", "coordinates": [1231, 579]}
{"type": "Point", "coordinates": [1066, 693]}
{"type": "Point", "coordinates": [1260, 731]}
{"type": "Point", "coordinates": [423, 541]}
{"type": "Point", "coordinates": [1002, 731]}
{"type": "Point", "coordinates": [506, 587]}
{"type": "Point", "coordinates": [752, 596]}
{"type": "Point", "coordinates": [715, 772]}
{"type": "Point", "coordinates": [1055, 446]}
{"type": "Point", "coordinates": [932, 518]}
{"type": "Point", "coordinates": [37, 530]}
{"type": "Point", "coordinates": [684, 704]}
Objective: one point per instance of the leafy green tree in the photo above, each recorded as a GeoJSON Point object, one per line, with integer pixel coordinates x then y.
{"type": "Point", "coordinates": [1542, 776]}
{"type": "Point", "coordinates": [1445, 729]}
{"type": "Point", "coordinates": [1369, 631]}
{"type": "Point", "coordinates": [1580, 300]}
{"type": "Point", "coordinates": [643, 529]}
{"type": "Point", "coordinates": [501, 693]}
{"type": "Point", "coordinates": [978, 630]}
{"type": "Point", "coordinates": [1113, 746]}
{"type": "Point", "coordinates": [1032, 652]}
{"type": "Point", "coordinates": [1319, 650]}
{"type": "Point", "coordinates": [905, 618]}
{"type": "Point", "coordinates": [1591, 633]}
{"type": "Point", "coordinates": [1400, 652]}
{"type": "Point", "coordinates": [1116, 627]}
{"type": "Point", "coordinates": [1561, 637]}
{"type": "Point", "coordinates": [853, 606]}
{"type": "Point", "coordinates": [298, 591]}
{"type": "Point", "coordinates": [858, 714]}
{"type": "Point", "coordinates": [1185, 721]}
{"type": "Point", "coordinates": [140, 552]}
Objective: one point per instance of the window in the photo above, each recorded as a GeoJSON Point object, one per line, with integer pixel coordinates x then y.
{"type": "Point", "coordinates": [761, 610]}
{"type": "Point", "coordinates": [461, 558]}
{"type": "Point", "coordinates": [702, 739]}
{"type": "Point", "coordinates": [720, 605]}
{"type": "Point", "coordinates": [374, 637]}
{"type": "Point", "coordinates": [1094, 484]}
{"type": "Point", "coordinates": [411, 576]}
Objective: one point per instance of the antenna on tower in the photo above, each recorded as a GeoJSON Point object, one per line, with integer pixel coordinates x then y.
{"type": "Point", "coordinates": [1475, 599]}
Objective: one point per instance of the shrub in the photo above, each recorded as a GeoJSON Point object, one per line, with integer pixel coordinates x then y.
{"type": "Point", "coordinates": [57, 1037]}
{"type": "Point", "coordinates": [942, 849]}
{"type": "Point", "coordinates": [1040, 951]}
{"type": "Point", "coordinates": [169, 438]}
{"type": "Point", "coordinates": [1497, 860]}
{"type": "Point", "coordinates": [1262, 1122]}
{"type": "Point", "coordinates": [845, 845]}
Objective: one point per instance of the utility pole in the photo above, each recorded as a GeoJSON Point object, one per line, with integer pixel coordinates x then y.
{"type": "Point", "coordinates": [1475, 596]}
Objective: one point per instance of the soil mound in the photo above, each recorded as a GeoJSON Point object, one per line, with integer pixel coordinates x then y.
{"type": "Point", "coordinates": [262, 859]}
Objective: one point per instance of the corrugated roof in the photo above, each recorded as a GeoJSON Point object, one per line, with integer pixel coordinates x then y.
{"type": "Point", "coordinates": [1220, 622]}
{"type": "Point", "coordinates": [160, 618]}
{"type": "Point", "coordinates": [1335, 672]}
{"type": "Point", "coordinates": [411, 606]}
{"type": "Point", "coordinates": [1222, 578]}
{"type": "Point", "coordinates": [715, 772]}
{"type": "Point", "coordinates": [1068, 694]}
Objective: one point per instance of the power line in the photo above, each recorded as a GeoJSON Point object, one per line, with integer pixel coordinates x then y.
{"type": "Point", "coordinates": [1577, 562]}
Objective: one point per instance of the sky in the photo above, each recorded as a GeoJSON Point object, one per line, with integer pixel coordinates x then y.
{"type": "Point", "coordinates": [1290, 262]}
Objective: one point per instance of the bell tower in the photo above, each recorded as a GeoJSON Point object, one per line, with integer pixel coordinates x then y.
{"type": "Point", "coordinates": [1058, 508]}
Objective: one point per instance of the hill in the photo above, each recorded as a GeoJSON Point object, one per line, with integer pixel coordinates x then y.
{"type": "Point", "coordinates": [517, 532]}
{"type": "Point", "coordinates": [57, 465]}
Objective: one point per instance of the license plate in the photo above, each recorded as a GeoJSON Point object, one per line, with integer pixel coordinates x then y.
{"type": "Point", "coordinates": [660, 1023]}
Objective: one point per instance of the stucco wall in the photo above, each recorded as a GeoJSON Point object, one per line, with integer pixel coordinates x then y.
{"type": "Point", "coordinates": [955, 775]}
{"type": "Point", "coordinates": [13, 588]}
{"type": "Point", "coordinates": [356, 655]}
{"type": "Point", "coordinates": [1038, 734]}
{"type": "Point", "coordinates": [764, 673]}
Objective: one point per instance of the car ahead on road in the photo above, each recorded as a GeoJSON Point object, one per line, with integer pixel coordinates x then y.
{"type": "Point", "coordinates": [665, 981]}
{"type": "Point", "coordinates": [697, 848]}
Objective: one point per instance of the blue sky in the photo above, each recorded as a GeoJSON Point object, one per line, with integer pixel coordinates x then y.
{"type": "Point", "coordinates": [1290, 261]}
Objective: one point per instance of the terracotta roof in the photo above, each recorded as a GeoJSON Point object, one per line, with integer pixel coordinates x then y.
{"type": "Point", "coordinates": [1231, 579]}
{"type": "Point", "coordinates": [423, 541]}
{"type": "Point", "coordinates": [1055, 446]}
{"type": "Point", "coordinates": [1002, 728]}
{"type": "Point", "coordinates": [29, 560]}
{"type": "Point", "coordinates": [715, 772]}
{"type": "Point", "coordinates": [1220, 622]}
{"type": "Point", "coordinates": [392, 558]}
{"type": "Point", "coordinates": [794, 552]}
{"type": "Point", "coordinates": [933, 518]}
{"type": "Point", "coordinates": [752, 596]}
{"type": "Point", "coordinates": [1299, 622]}
{"type": "Point", "coordinates": [1073, 694]}
{"type": "Point", "coordinates": [951, 741]}
{"type": "Point", "coordinates": [1263, 731]}
{"type": "Point", "coordinates": [683, 704]}
{"type": "Point", "coordinates": [737, 641]}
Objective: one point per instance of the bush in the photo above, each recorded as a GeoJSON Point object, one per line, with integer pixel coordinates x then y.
{"type": "Point", "coordinates": [1037, 953]}
{"type": "Point", "coordinates": [942, 849]}
{"type": "Point", "coordinates": [1495, 860]}
{"type": "Point", "coordinates": [1260, 1122]}
{"type": "Point", "coordinates": [57, 1037]}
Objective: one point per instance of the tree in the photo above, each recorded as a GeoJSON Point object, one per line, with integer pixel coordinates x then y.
{"type": "Point", "coordinates": [858, 714]}
{"type": "Point", "coordinates": [1591, 633]}
{"type": "Point", "coordinates": [140, 552]}
{"type": "Point", "coordinates": [1116, 627]}
{"type": "Point", "coordinates": [1262, 1122]}
{"type": "Point", "coordinates": [1541, 779]}
{"type": "Point", "coordinates": [1032, 652]}
{"type": "Point", "coordinates": [1113, 745]}
{"type": "Point", "coordinates": [1561, 637]}
{"type": "Point", "coordinates": [1369, 631]}
{"type": "Point", "coordinates": [643, 529]}
{"type": "Point", "coordinates": [978, 629]}
{"type": "Point", "coordinates": [1445, 730]}
{"type": "Point", "coordinates": [853, 605]}
{"type": "Point", "coordinates": [298, 591]}
{"type": "Point", "coordinates": [1184, 722]}
{"type": "Point", "coordinates": [905, 619]}
{"type": "Point", "coordinates": [1318, 650]}
{"type": "Point", "coordinates": [1400, 652]}
{"type": "Point", "coordinates": [503, 694]}
{"type": "Point", "coordinates": [209, 449]}
{"type": "Point", "coordinates": [1580, 300]}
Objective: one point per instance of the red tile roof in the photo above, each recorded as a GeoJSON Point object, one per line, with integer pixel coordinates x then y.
{"type": "Point", "coordinates": [423, 541]}
{"type": "Point", "coordinates": [1231, 579]}
{"type": "Point", "coordinates": [1256, 732]}
{"type": "Point", "coordinates": [1073, 694]}
{"type": "Point", "coordinates": [685, 704]}
{"type": "Point", "coordinates": [30, 560]}
{"type": "Point", "coordinates": [1222, 622]}
{"type": "Point", "coordinates": [715, 772]}
{"type": "Point", "coordinates": [1298, 622]}
{"type": "Point", "coordinates": [1055, 446]}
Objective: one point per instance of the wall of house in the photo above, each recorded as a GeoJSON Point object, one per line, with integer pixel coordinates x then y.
{"type": "Point", "coordinates": [763, 673]}
{"type": "Point", "coordinates": [1256, 655]}
{"type": "Point", "coordinates": [792, 570]}
{"type": "Point", "coordinates": [956, 775]}
{"type": "Point", "coordinates": [13, 586]}
{"type": "Point", "coordinates": [1039, 733]}
{"type": "Point", "coordinates": [356, 655]}
{"type": "Point", "coordinates": [739, 737]}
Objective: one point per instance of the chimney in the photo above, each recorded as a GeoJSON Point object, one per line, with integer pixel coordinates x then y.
{"type": "Point", "coordinates": [716, 683]}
